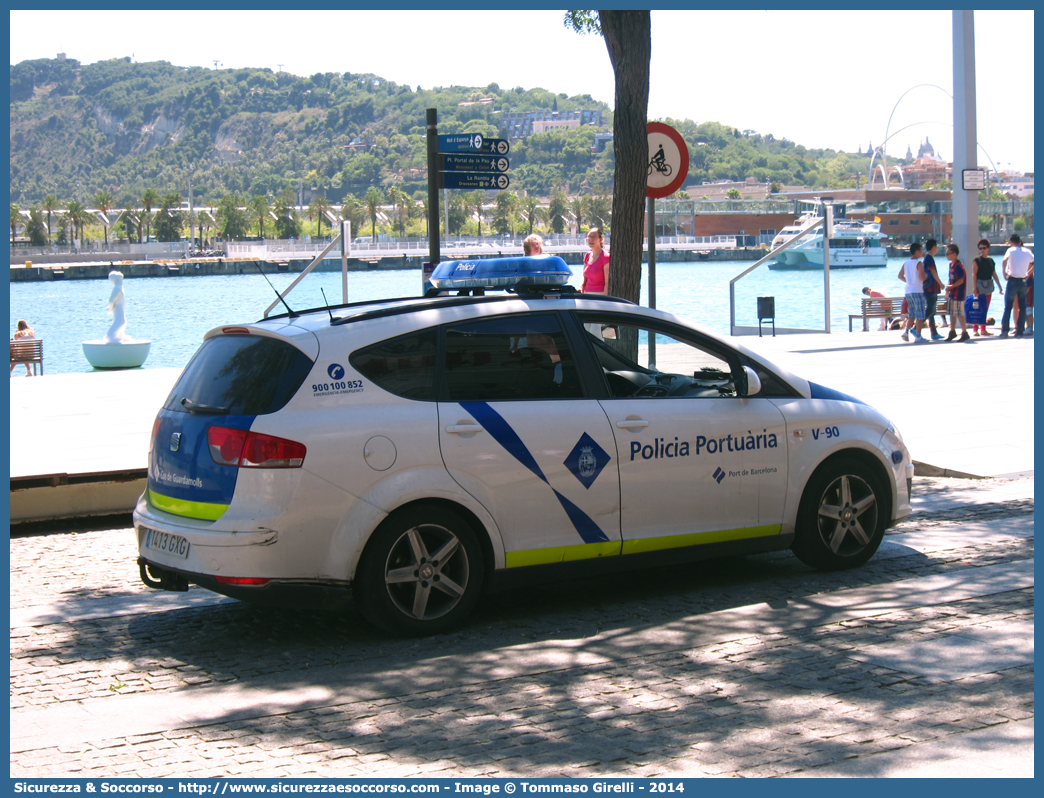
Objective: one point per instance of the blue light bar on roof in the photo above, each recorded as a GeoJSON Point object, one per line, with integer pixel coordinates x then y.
{"type": "Point", "coordinates": [501, 272]}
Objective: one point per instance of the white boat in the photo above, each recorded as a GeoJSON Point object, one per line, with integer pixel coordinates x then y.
{"type": "Point", "coordinates": [854, 245]}
{"type": "Point", "coordinates": [791, 230]}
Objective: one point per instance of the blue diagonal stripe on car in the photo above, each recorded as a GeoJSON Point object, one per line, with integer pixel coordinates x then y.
{"type": "Point", "coordinates": [502, 433]}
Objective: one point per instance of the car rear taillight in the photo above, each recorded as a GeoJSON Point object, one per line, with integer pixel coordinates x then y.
{"type": "Point", "coordinates": [242, 580]}
{"type": "Point", "coordinates": [244, 449]}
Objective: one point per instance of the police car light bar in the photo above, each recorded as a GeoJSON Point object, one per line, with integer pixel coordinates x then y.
{"type": "Point", "coordinates": [541, 270]}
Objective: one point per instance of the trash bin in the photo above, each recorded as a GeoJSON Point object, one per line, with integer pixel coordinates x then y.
{"type": "Point", "coordinates": [767, 310]}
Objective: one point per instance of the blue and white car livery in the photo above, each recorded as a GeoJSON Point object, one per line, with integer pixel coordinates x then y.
{"type": "Point", "coordinates": [418, 452]}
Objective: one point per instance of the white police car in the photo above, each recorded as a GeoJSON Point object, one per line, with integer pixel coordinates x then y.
{"type": "Point", "coordinates": [418, 452]}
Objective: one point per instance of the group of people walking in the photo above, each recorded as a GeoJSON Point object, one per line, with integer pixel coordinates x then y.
{"type": "Point", "coordinates": [924, 285]}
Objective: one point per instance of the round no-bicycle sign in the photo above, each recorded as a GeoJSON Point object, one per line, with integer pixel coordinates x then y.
{"type": "Point", "coordinates": [668, 160]}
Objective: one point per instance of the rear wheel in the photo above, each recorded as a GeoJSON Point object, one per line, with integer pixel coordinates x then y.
{"type": "Point", "coordinates": [421, 573]}
{"type": "Point", "coordinates": [842, 516]}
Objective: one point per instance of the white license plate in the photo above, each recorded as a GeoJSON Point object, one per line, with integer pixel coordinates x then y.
{"type": "Point", "coordinates": [166, 543]}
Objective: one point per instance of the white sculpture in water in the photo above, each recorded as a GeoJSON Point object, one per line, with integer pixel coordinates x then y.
{"type": "Point", "coordinates": [117, 332]}
{"type": "Point", "coordinates": [116, 350]}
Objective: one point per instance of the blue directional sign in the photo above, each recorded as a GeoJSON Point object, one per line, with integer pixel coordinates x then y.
{"type": "Point", "coordinates": [474, 143]}
{"type": "Point", "coordinates": [474, 163]}
{"type": "Point", "coordinates": [498, 182]}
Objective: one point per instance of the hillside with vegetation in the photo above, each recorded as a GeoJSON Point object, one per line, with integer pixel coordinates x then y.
{"type": "Point", "coordinates": [123, 131]}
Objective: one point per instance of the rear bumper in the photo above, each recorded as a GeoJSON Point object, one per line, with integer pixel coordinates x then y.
{"type": "Point", "coordinates": [281, 594]}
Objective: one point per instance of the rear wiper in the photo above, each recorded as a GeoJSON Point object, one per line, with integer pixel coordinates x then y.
{"type": "Point", "coordinates": [198, 407]}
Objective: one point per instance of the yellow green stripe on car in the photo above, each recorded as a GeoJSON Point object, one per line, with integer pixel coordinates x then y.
{"type": "Point", "coordinates": [586, 551]}
{"type": "Point", "coordinates": [204, 511]}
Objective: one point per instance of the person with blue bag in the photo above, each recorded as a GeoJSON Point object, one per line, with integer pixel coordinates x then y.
{"type": "Point", "coordinates": [955, 293]}
{"type": "Point", "coordinates": [984, 275]}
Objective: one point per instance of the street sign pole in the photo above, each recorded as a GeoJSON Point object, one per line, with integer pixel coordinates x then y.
{"type": "Point", "coordinates": [433, 186]}
{"type": "Point", "coordinates": [650, 211]}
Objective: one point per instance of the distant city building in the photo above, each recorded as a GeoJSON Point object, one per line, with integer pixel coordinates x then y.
{"type": "Point", "coordinates": [1014, 185]}
{"type": "Point", "coordinates": [925, 149]}
{"type": "Point", "coordinates": [483, 101]}
{"type": "Point", "coordinates": [520, 124]}
{"type": "Point", "coordinates": [601, 139]}
{"type": "Point", "coordinates": [926, 170]}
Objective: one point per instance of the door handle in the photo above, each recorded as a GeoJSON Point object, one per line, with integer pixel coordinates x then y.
{"type": "Point", "coordinates": [464, 429]}
{"type": "Point", "coordinates": [632, 423]}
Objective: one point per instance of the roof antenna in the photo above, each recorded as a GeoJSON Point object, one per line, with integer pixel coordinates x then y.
{"type": "Point", "coordinates": [326, 301]}
{"type": "Point", "coordinates": [289, 312]}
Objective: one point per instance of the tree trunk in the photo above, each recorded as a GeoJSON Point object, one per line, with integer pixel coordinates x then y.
{"type": "Point", "coordinates": [628, 39]}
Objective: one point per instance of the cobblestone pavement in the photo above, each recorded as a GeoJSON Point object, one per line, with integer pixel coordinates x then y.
{"type": "Point", "coordinates": [749, 704]}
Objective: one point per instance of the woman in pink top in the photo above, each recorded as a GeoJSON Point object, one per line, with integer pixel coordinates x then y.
{"type": "Point", "coordinates": [596, 265]}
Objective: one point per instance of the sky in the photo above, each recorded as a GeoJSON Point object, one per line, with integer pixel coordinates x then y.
{"type": "Point", "coordinates": [838, 79]}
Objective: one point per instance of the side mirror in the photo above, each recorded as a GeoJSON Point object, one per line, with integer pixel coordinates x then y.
{"type": "Point", "coordinates": [753, 387]}
{"type": "Point", "coordinates": [608, 333]}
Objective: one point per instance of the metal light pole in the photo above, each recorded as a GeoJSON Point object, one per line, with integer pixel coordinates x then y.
{"type": "Point", "coordinates": [965, 201]}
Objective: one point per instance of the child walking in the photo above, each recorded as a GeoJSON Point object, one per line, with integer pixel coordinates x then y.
{"type": "Point", "coordinates": [956, 291]}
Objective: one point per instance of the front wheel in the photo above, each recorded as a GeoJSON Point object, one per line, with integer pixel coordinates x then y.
{"type": "Point", "coordinates": [421, 573]}
{"type": "Point", "coordinates": [842, 516]}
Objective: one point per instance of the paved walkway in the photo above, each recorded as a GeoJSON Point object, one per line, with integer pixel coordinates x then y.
{"type": "Point", "coordinates": [965, 409]}
{"type": "Point", "coordinates": [920, 663]}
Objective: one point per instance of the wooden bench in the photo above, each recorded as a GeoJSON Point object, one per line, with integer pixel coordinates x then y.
{"type": "Point", "coordinates": [877, 307]}
{"type": "Point", "coordinates": [29, 351]}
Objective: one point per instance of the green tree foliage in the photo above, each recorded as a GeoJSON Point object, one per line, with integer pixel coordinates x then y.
{"type": "Point", "coordinates": [103, 202]}
{"type": "Point", "coordinates": [149, 199]}
{"type": "Point", "coordinates": [505, 217]}
{"type": "Point", "coordinates": [252, 132]}
{"type": "Point", "coordinates": [287, 223]}
{"type": "Point", "coordinates": [50, 205]}
{"type": "Point", "coordinates": [373, 201]}
{"type": "Point", "coordinates": [232, 217]}
{"type": "Point", "coordinates": [317, 212]}
{"type": "Point", "coordinates": [169, 219]}
{"type": "Point", "coordinates": [259, 213]}
{"type": "Point", "coordinates": [557, 210]}
{"type": "Point", "coordinates": [35, 228]}
{"type": "Point", "coordinates": [16, 219]}
{"type": "Point", "coordinates": [77, 216]}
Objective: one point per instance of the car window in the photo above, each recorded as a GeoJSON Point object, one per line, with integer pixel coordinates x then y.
{"type": "Point", "coordinates": [681, 369]}
{"type": "Point", "coordinates": [404, 366]}
{"type": "Point", "coordinates": [245, 375]}
{"type": "Point", "coordinates": [509, 357]}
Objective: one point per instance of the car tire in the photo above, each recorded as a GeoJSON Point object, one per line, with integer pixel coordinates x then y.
{"type": "Point", "coordinates": [421, 573]}
{"type": "Point", "coordinates": [842, 516]}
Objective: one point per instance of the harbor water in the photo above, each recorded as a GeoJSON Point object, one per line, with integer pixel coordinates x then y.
{"type": "Point", "coordinates": [175, 312]}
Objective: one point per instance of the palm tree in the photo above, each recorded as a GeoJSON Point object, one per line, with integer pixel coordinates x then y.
{"type": "Point", "coordinates": [259, 210]}
{"type": "Point", "coordinates": [373, 200]}
{"type": "Point", "coordinates": [531, 211]}
{"type": "Point", "coordinates": [50, 205]}
{"type": "Point", "coordinates": [317, 211]}
{"type": "Point", "coordinates": [16, 214]}
{"type": "Point", "coordinates": [400, 202]}
{"type": "Point", "coordinates": [556, 211]}
{"type": "Point", "coordinates": [77, 215]}
{"type": "Point", "coordinates": [149, 200]}
{"type": "Point", "coordinates": [477, 198]}
{"type": "Point", "coordinates": [353, 211]}
{"type": "Point", "coordinates": [579, 208]}
{"type": "Point", "coordinates": [103, 201]}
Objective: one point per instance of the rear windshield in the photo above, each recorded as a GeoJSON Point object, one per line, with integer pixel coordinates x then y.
{"type": "Point", "coordinates": [240, 375]}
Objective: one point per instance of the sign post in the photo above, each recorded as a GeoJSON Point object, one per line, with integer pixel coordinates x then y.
{"type": "Point", "coordinates": [668, 168]}
{"type": "Point", "coordinates": [433, 187]}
